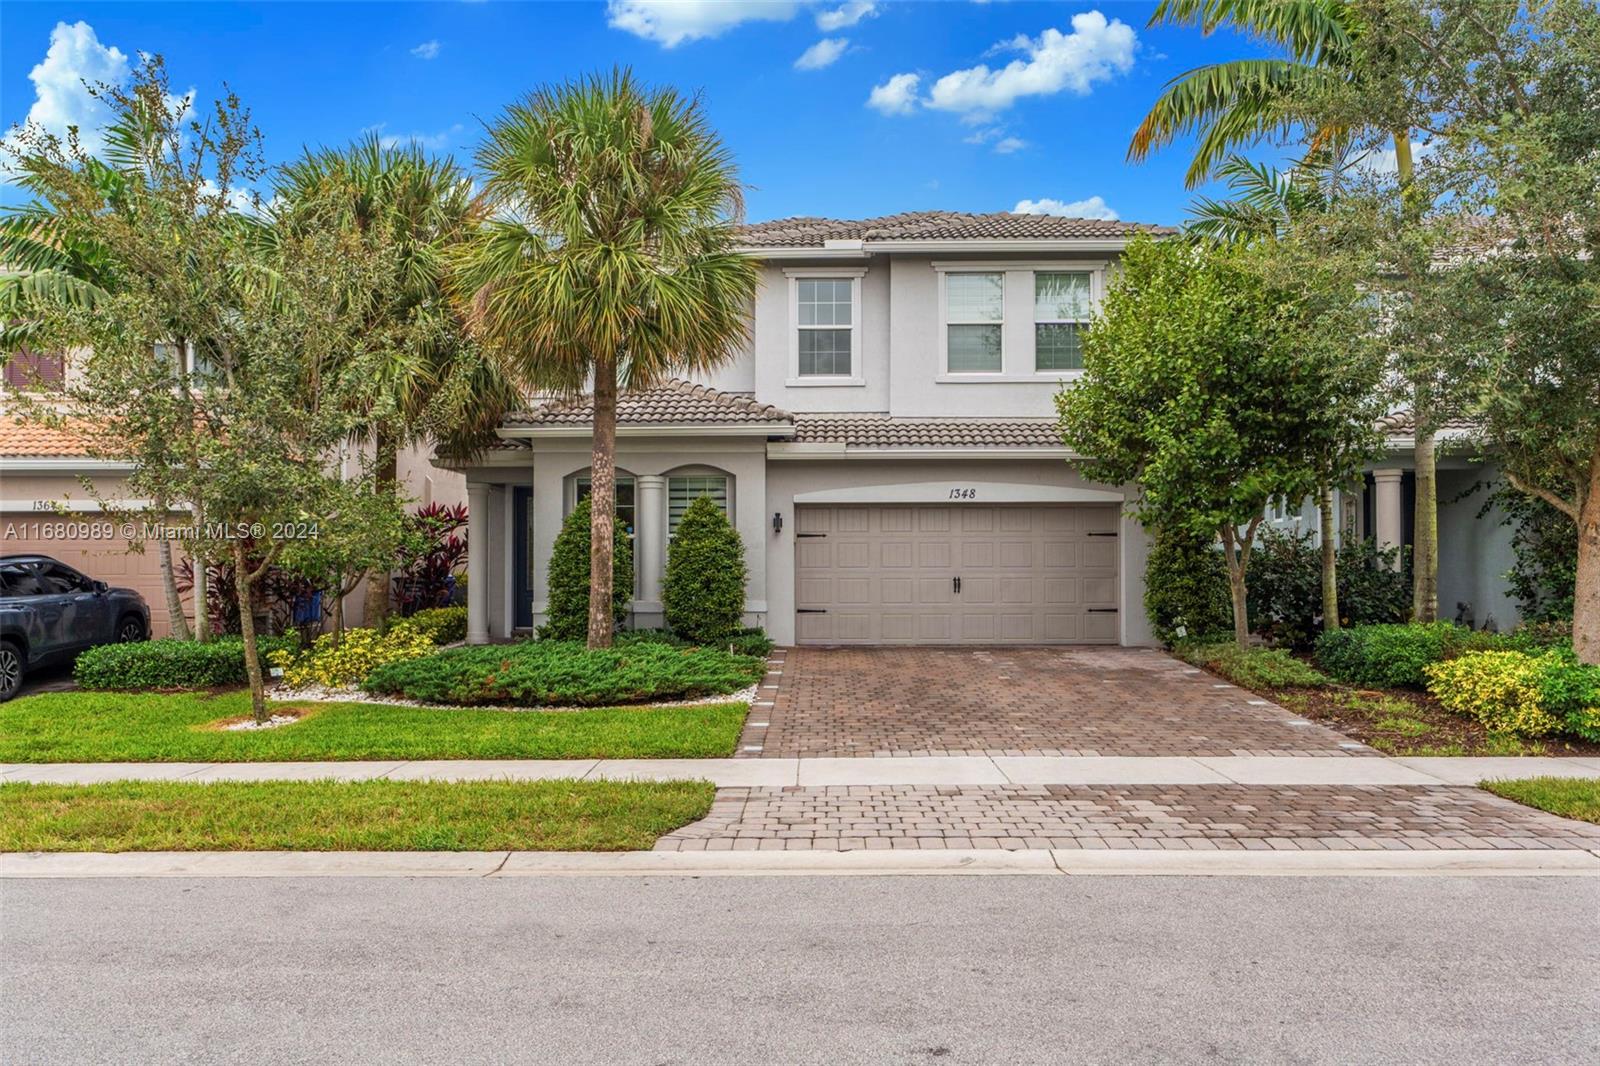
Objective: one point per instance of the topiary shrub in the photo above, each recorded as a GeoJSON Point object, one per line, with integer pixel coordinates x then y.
{"type": "Point", "coordinates": [1389, 655]}
{"type": "Point", "coordinates": [1521, 694]}
{"type": "Point", "coordinates": [171, 664]}
{"type": "Point", "coordinates": [442, 625]}
{"type": "Point", "coordinates": [335, 661]}
{"type": "Point", "coordinates": [703, 592]}
{"type": "Point", "coordinates": [1186, 593]}
{"type": "Point", "coordinates": [567, 611]}
{"type": "Point", "coordinates": [566, 673]}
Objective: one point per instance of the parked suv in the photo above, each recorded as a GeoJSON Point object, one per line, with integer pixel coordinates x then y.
{"type": "Point", "coordinates": [49, 612]}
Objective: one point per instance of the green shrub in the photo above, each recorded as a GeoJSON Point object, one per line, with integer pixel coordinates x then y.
{"type": "Point", "coordinates": [1186, 593]}
{"type": "Point", "coordinates": [567, 613]}
{"type": "Point", "coordinates": [442, 625]}
{"type": "Point", "coordinates": [334, 661]}
{"type": "Point", "coordinates": [565, 673]}
{"type": "Point", "coordinates": [703, 591]}
{"type": "Point", "coordinates": [749, 641]}
{"type": "Point", "coordinates": [1521, 694]}
{"type": "Point", "coordinates": [1252, 667]}
{"type": "Point", "coordinates": [171, 664]}
{"type": "Point", "coordinates": [1285, 582]}
{"type": "Point", "coordinates": [1389, 656]}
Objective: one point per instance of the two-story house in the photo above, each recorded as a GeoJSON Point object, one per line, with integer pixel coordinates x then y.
{"type": "Point", "coordinates": [886, 447]}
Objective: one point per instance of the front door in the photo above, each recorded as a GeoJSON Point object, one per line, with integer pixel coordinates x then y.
{"type": "Point", "coordinates": [522, 554]}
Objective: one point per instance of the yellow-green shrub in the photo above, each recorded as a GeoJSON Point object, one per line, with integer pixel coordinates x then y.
{"type": "Point", "coordinates": [1505, 690]}
{"type": "Point", "coordinates": [334, 662]}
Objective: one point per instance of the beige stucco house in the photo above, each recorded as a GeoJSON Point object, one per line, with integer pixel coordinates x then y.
{"type": "Point", "coordinates": [886, 448]}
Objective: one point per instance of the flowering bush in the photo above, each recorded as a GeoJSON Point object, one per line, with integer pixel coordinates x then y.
{"type": "Point", "coordinates": [334, 662]}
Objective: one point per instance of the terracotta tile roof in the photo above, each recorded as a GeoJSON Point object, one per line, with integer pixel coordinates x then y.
{"type": "Point", "coordinates": [1401, 422]}
{"type": "Point", "coordinates": [673, 403]}
{"type": "Point", "coordinates": [937, 225]}
{"type": "Point", "coordinates": [881, 431]}
{"type": "Point", "coordinates": [20, 439]}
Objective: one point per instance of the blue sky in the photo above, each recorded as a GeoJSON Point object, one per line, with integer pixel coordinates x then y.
{"type": "Point", "coordinates": [896, 105]}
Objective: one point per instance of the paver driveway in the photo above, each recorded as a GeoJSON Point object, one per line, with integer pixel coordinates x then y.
{"type": "Point", "coordinates": [1016, 701]}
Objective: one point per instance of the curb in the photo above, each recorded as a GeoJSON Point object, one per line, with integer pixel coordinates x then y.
{"type": "Point", "coordinates": [499, 864]}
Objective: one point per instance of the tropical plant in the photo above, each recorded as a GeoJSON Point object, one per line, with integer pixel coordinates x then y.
{"type": "Point", "coordinates": [607, 261]}
{"type": "Point", "coordinates": [1265, 202]}
{"type": "Point", "coordinates": [430, 563]}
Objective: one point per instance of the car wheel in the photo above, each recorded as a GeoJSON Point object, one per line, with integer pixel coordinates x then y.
{"type": "Point", "coordinates": [11, 670]}
{"type": "Point", "coordinates": [130, 630]}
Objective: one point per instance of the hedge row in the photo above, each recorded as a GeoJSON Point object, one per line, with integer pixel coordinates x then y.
{"type": "Point", "coordinates": [172, 664]}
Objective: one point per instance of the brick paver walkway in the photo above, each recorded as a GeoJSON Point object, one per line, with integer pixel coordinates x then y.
{"type": "Point", "coordinates": [1188, 817]}
{"type": "Point", "coordinates": [1015, 701]}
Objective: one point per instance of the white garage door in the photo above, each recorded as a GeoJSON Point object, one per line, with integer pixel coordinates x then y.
{"type": "Point", "coordinates": [65, 537]}
{"type": "Point", "coordinates": [962, 574]}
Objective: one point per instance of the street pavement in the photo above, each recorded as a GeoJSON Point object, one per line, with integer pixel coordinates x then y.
{"type": "Point", "coordinates": [799, 970]}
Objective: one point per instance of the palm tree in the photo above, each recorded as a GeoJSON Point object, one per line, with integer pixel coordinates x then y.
{"type": "Point", "coordinates": [607, 262]}
{"type": "Point", "coordinates": [1245, 101]}
{"type": "Point", "coordinates": [1265, 202]}
{"type": "Point", "coordinates": [434, 383]}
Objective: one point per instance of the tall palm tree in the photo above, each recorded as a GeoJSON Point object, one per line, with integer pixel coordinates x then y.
{"type": "Point", "coordinates": [607, 262]}
{"type": "Point", "coordinates": [435, 384]}
{"type": "Point", "coordinates": [1245, 101]}
{"type": "Point", "coordinates": [1265, 202]}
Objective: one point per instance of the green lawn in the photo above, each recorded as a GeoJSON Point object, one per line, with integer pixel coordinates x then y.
{"type": "Point", "coordinates": [152, 727]}
{"type": "Point", "coordinates": [1569, 797]}
{"type": "Point", "coordinates": [348, 815]}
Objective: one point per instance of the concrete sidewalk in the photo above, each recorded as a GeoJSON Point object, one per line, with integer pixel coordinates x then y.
{"type": "Point", "coordinates": [821, 772]}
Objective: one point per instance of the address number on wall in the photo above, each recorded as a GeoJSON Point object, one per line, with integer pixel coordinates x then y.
{"type": "Point", "coordinates": [963, 494]}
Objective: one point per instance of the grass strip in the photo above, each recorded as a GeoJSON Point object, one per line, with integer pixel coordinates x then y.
{"type": "Point", "coordinates": [1570, 797]}
{"type": "Point", "coordinates": [348, 815]}
{"type": "Point", "coordinates": [179, 727]}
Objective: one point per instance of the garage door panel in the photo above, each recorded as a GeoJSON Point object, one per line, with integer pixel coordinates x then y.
{"type": "Point", "coordinates": [885, 574]}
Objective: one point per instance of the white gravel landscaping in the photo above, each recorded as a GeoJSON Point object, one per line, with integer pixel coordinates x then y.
{"type": "Point", "coordinates": [250, 724]}
{"type": "Point", "coordinates": [325, 694]}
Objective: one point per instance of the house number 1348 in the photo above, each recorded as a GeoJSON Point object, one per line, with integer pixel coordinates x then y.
{"type": "Point", "coordinates": [963, 494]}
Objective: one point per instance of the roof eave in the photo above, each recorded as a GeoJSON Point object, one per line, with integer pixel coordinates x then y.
{"type": "Point", "coordinates": [654, 429]}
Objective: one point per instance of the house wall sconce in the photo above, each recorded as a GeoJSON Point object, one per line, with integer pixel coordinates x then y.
{"type": "Point", "coordinates": [777, 521]}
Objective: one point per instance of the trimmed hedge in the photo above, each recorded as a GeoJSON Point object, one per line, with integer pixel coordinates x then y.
{"type": "Point", "coordinates": [1389, 656]}
{"type": "Point", "coordinates": [750, 641]}
{"type": "Point", "coordinates": [172, 664]}
{"type": "Point", "coordinates": [702, 594]}
{"type": "Point", "coordinates": [1528, 695]}
{"type": "Point", "coordinates": [1186, 589]}
{"type": "Point", "coordinates": [1252, 667]}
{"type": "Point", "coordinates": [567, 612]}
{"type": "Point", "coordinates": [566, 674]}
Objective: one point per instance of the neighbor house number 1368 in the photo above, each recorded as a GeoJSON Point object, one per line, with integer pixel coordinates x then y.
{"type": "Point", "coordinates": [963, 494]}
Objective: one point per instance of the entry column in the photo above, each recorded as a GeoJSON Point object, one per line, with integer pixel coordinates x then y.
{"type": "Point", "coordinates": [650, 540]}
{"type": "Point", "coordinates": [1387, 505]}
{"type": "Point", "coordinates": [477, 562]}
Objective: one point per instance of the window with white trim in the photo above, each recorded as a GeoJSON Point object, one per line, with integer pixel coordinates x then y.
{"type": "Point", "coordinates": [826, 322]}
{"type": "Point", "coordinates": [1061, 303]}
{"type": "Point", "coordinates": [684, 489]}
{"type": "Point", "coordinates": [584, 485]}
{"type": "Point", "coordinates": [974, 314]}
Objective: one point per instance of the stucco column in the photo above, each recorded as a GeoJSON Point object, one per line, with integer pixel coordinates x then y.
{"type": "Point", "coordinates": [1388, 508]}
{"type": "Point", "coordinates": [478, 591]}
{"type": "Point", "coordinates": [650, 536]}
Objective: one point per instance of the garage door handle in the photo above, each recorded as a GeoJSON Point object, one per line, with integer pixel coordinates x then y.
{"type": "Point", "coordinates": [810, 610]}
{"type": "Point", "coordinates": [1102, 610]}
{"type": "Point", "coordinates": [1111, 534]}
{"type": "Point", "coordinates": [957, 583]}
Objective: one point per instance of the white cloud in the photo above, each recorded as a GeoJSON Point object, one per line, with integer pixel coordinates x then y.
{"type": "Point", "coordinates": [1093, 207]}
{"type": "Point", "coordinates": [671, 22]}
{"type": "Point", "coordinates": [426, 50]}
{"type": "Point", "coordinates": [1096, 50]}
{"type": "Point", "coordinates": [431, 141]}
{"type": "Point", "coordinates": [844, 15]}
{"type": "Point", "coordinates": [822, 54]}
{"type": "Point", "coordinates": [61, 99]}
{"type": "Point", "coordinates": [1007, 145]}
{"type": "Point", "coordinates": [897, 96]}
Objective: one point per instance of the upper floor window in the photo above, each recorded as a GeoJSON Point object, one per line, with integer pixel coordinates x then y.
{"type": "Point", "coordinates": [825, 319]}
{"type": "Point", "coordinates": [682, 490]}
{"type": "Point", "coordinates": [1060, 311]}
{"type": "Point", "coordinates": [975, 322]}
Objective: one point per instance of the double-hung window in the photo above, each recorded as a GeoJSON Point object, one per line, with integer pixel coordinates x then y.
{"type": "Point", "coordinates": [1060, 311]}
{"type": "Point", "coordinates": [682, 490]}
{"type": "Point", "coordinates": [625, 499]}
{"type": "Point", "coordinates": [825, 309]}
{"type": "Point", "coordinates": [974, 322]}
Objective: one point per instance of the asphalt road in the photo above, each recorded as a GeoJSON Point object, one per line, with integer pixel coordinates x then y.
{"type": "Point", "coordinates": [813, 970]}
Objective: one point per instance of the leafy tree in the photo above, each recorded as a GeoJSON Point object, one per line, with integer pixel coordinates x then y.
{"type": "Point", "coordinates": [1212, 389]}
{"type": "Point", "coordinates": [568, 613]}
{"type": "Point", "coordinates": [433, 382]}
{"type": "Point", "coordinates": [703, 592]}
{"type": "Point", "coordinates": [608, 261]}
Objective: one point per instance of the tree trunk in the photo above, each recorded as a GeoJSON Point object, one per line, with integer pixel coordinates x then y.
{"type": "Point", "coordinates": [247, 629]}
{"type": "Point", "coordinates": [202, 592]}
{"type": "Point", "coordinates": [602, 502]}
{"type": "Point", "coordinates": [1586, 595]}
{"type": "Point", "coordinates": [169, 582]}
{"type": "Point", "coordinates": [379, 583]}
{"type": "Point", "coordinates": [1236, 551]}
{"type": "Point", "coordinates": [1425, 536]}
{"type": "Point", "coordinates": [1330, 563]}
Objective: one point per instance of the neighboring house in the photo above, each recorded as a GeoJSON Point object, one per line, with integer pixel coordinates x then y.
{"type": "Point", "coordinates": [886, 447]}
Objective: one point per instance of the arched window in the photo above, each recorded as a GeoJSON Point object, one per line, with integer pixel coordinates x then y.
{"type": "Point", "coordinates": [627, 513]}
{"type": "Point", "coordinates": [686, 486]}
